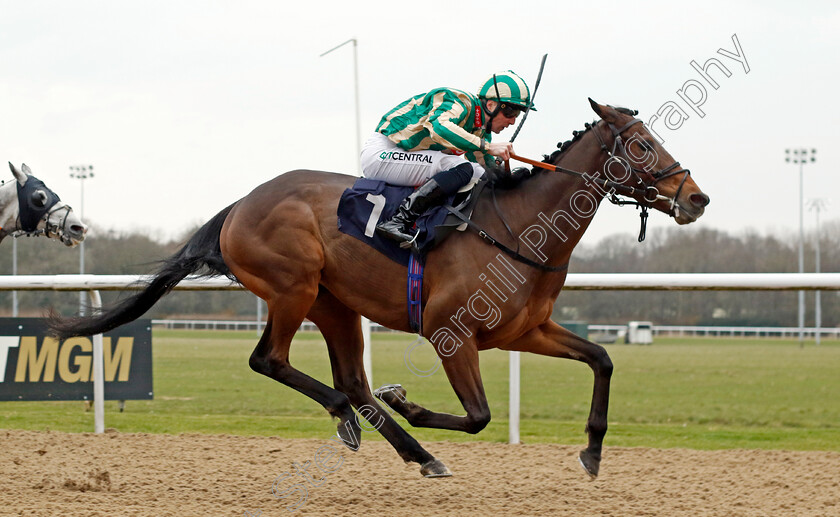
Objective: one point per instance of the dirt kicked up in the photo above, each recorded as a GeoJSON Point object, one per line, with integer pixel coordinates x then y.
{"type": "Point", "coordinates": [61, 474]}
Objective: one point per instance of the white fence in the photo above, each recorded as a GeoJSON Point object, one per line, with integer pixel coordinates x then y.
{"type": "Point", "coordinates": [594, 328]}
{"type": "Point", "coordinates": [689, 330]}
{"type": "Point", "coordinates": [574, 281]}
{"type": "Point", "coordinates": [587, 281]}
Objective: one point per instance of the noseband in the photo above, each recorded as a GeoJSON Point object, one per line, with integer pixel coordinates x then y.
{"type": "Point", "coordinates": [55, 229]}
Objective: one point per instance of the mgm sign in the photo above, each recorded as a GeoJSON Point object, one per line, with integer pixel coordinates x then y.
{"type": "Point", "coordinates": [35, 366]}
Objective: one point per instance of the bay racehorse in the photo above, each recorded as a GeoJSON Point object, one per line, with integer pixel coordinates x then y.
{"type": "Point", "coordinates": [28, 207]}
{"type": "Point", "coordinates": [281, 241]}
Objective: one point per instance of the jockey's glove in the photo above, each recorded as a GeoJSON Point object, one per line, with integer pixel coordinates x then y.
{"type": "Point", "coordinates": [500, 178]}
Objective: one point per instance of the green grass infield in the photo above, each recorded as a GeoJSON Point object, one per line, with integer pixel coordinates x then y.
{"type": "Point", "coordinates": [698, 393]}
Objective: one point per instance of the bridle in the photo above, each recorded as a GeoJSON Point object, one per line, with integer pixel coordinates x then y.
{"type": "Point", "coordinates": [648, 192]}
{"type": "Point", "coordinates": [30, 215]}
{"type": "Point", "coordinates": [619, 153]}
{"type": "Point", "coordinates": [49, 229]}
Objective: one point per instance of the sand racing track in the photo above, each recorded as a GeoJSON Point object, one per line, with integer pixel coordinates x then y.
{"type": "Point", "coordinates": [60, 474]}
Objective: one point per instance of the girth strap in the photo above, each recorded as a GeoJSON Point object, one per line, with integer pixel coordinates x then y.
{"type": "Point", "coordinates": [415, 293]}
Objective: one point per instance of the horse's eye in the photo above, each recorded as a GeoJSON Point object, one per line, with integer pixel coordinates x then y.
{"type": "Point", "coordinates": [39, 199]}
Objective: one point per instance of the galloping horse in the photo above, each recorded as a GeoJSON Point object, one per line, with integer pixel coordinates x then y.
{"type": "Point", "coordinates": [28, 207]}
{"type": "Point", "coordinates": [281, 241]}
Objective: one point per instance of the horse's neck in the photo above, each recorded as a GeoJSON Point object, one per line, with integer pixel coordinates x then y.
{"type": "Point", "coordinates": [563, 204]}
{"type": "Point", "coordinates": [585, 157]}
{"type": "Point", "coordinates": [8, 205]}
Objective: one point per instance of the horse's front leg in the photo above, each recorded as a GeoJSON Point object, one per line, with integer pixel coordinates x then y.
{"type": "Point", "coordinates": [462, 369]}
{"type": "Point", "coordinates": [553, 340]}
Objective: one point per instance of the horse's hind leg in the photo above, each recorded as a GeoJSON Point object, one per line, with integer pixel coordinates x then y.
{"type": "Point", "coordinates": [341, 328]}
{"type": "Point", "coordinates": [553, 340]}
{"type": "Point", "coordinates": [271, 358]}
{"type": "Point", "coordinates": [464, 375]}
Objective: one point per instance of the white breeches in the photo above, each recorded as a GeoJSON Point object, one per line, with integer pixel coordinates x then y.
{"type": "Point", "coordinates": [383, 160]}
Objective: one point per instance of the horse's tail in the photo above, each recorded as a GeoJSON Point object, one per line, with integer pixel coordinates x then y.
{"type": "Point", "coordinates": [201, 255]}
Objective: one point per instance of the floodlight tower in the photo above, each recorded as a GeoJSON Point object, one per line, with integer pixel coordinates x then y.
{"type": "Point", "coordinates": [817, 205]}
{"type": "Point", "coordinates": [81, 173]}
{"type": "Point", "coordinates": [801, 156]}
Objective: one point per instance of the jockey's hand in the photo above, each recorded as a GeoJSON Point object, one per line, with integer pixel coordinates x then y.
{"type": "Point", "coordinates": [495, 172]}
{"type": "Point", "coordinates": [500, 149]}
{"type": "Point", "coordinates": [500, 178]}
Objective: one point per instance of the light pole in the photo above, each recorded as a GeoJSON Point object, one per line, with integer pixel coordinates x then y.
{"type": "Point", "coordinates": [356, 93]}
{"type": "Point", "coordinates": [81, 173]}
{"type": "Point", "coordinates": [366, 357]}
{"type": "Point", "coordinates": [801, 156]}
{"type": "Point", "coordinates": [817, 205]}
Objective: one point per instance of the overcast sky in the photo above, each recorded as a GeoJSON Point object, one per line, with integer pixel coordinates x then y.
{"type": "Point", "coordinates": [182, 107]}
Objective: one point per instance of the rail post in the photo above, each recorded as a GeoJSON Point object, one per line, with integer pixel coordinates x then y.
{"type": "Point", "coordinates": [513, 397]}
{"type": "Point", "coordinates": [98, 371]}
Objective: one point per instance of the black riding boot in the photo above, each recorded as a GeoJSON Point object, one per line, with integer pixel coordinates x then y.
{"type": "Point", "coordinates": [398, 227]}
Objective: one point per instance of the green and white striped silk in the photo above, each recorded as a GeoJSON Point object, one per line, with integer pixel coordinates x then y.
{"type": "Point", "coordinates": [512, 89]}
{"type": "Point", "coordinates": [443, 119]}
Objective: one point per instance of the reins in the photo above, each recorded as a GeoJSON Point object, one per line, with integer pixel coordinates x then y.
{"type": "Point", "coordinates": [510, 252]}
{"type": "Point", "coordinates": [605, 184]}
{"type": "Point", "coordinates": [611, 186]}
{"type": "Point", "coordinates": [649, 194]}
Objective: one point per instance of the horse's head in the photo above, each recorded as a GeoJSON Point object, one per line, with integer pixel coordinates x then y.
{"type": "Point", "coordinates": [638, 160]}
{"type": "Point", "coordinates": [37, 210]}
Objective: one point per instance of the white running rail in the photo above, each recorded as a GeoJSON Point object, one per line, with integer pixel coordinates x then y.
{"type": "Point", "coordinates": [579, 281]}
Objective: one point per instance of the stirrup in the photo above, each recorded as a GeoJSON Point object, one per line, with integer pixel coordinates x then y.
{"type": "Point", "coordinates": [409, 244]}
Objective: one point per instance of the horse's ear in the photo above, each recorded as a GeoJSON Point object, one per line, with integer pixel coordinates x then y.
{"type": "Point", "coordinates": [607, 113]}
{"type": "Point", "coordinates": [21, 177]}
{"type": "Point", "coordinates": [25, 168]}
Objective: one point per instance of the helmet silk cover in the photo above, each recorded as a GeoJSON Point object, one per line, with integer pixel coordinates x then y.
{"type": "Point", "coordinates": [508, 88]}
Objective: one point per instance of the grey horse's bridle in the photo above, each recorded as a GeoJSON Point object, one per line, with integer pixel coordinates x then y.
{"type": "Point", "coordinates": [30, 216]}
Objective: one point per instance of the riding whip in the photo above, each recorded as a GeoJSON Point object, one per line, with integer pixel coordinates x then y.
{"type": "Point", "coordinates": [528, 108]}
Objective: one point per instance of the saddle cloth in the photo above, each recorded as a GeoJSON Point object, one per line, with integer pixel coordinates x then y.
{"type": "Point", "coordinates": [370, 202]}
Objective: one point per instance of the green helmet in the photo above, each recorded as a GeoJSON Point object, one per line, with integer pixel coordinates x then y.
{"type": "Point", "coordinates": [508, 88]}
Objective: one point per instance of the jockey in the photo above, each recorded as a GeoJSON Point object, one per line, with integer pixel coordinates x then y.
{"type": "Point", "coordinates": [440, 140]}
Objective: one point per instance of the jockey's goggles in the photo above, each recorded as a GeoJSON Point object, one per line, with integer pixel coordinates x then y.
{"type": "Point", "coordinates": [510, 110]}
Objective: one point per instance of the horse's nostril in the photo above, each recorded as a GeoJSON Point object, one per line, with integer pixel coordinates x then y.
{"type": "Point", "coordinates": [76, 228]}
{"type": "Point", "coordinates": [699, 199]}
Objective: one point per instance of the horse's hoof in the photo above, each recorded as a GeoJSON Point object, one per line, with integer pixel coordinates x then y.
{"type": "Point", "coordinates": [590, 463]}
{"type": "Point", "coordinates": [390, 394]}
{"type": "Point", "coordinates": [435, 469]}
{"type": "Point", "coordinates": [350, 434]}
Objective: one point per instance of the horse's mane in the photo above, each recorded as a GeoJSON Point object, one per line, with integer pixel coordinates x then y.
{"type": "Point", "coordinates": [562, 147]}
